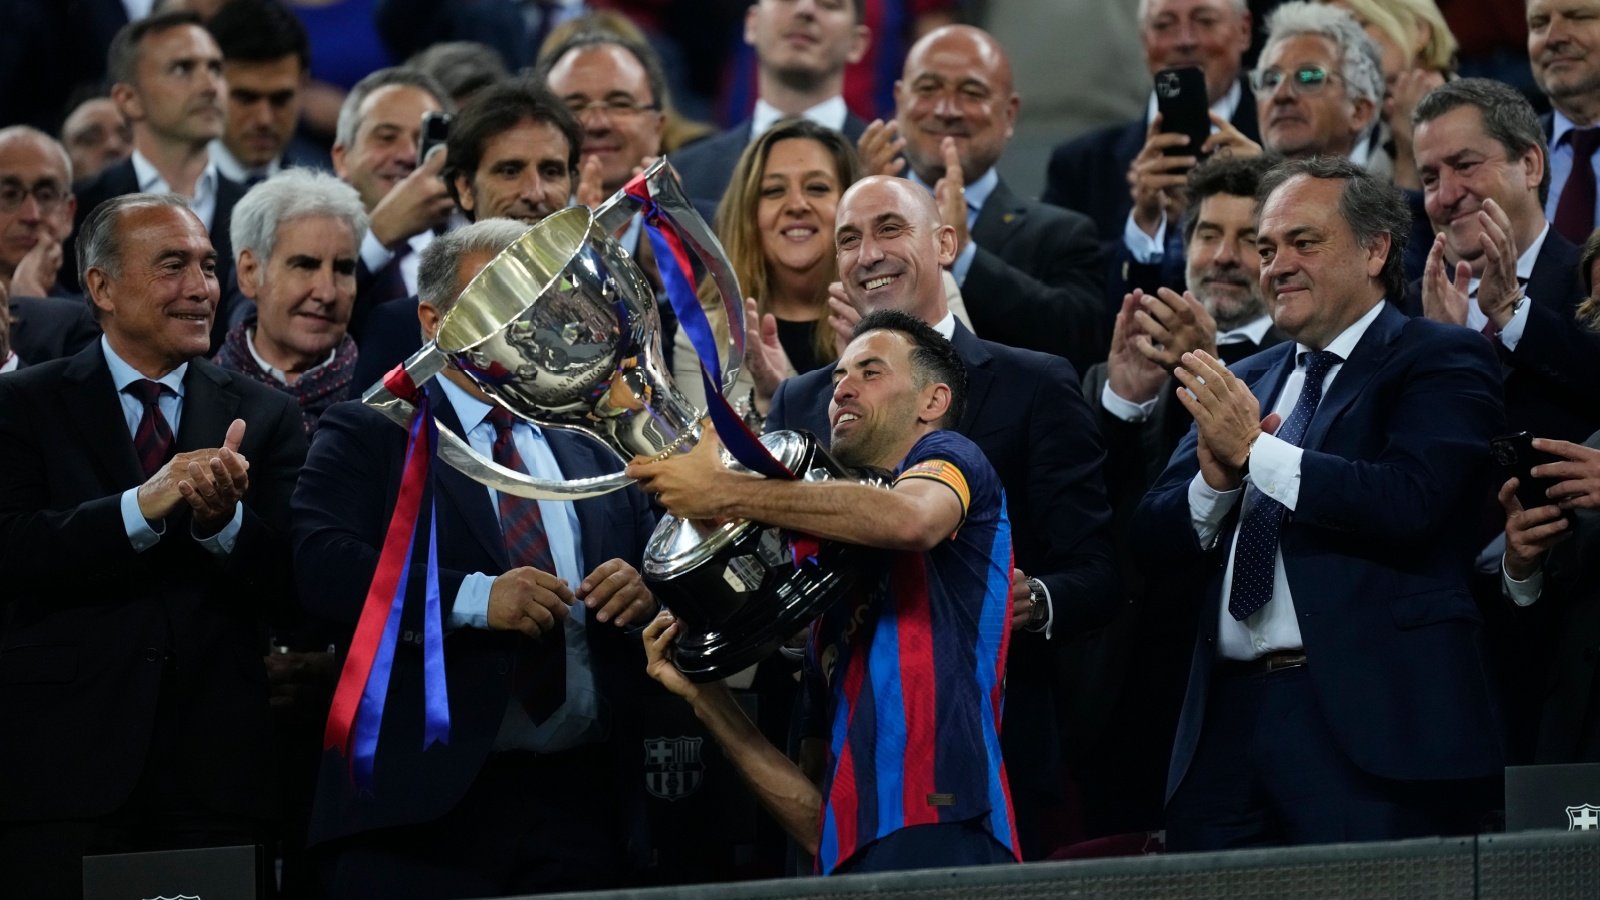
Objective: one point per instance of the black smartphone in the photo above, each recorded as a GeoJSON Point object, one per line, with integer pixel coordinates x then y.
{"type": "Point", "coordinates": [1181, 100]}
{"type": "Point", "coordinates": [435, 131]}
{"type": "Point", "coordinates": [1514, 454]}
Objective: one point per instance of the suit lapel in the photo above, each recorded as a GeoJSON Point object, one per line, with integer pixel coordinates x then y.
{"type": "Point", "coordinates": [1269, 384]}
{"type": "Point", "coordinates": [1553, 275]}
{"type": "Point", "coordinates": [979, 376]}
{"type": "Point", "coordinates": [1001, 216]}
{"type": "Point", "coordinates": [470, 498]}
{"type": "Point", "coordinates": [89, 400]}
{"type": "Point", "coordinates": [1364, 362]}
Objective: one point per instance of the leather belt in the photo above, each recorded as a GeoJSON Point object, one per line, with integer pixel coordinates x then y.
{"type": "Point", "coordinates": [1276, 661]}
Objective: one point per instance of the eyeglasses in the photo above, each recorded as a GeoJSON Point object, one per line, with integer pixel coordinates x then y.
{"type": "Point", "coordinates": [620, 107]}
{"type": "Point", "coordinates": [1304, 80]}
{"type": "Point", "coordinates": [47, 194]}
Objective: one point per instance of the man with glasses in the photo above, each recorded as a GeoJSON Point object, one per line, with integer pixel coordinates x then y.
{"type": "Point", "coordinates": [36, 206]}
{"type": "Point", "coordinates": [1319, 86]}
{"type": "Point", "coordinates": [614, 88]}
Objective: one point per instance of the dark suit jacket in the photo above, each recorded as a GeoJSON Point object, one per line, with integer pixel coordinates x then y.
{"type": "Point", "coordinates": [1378, 550]}
{"type": "Point", "coordinates": [706, 165]}
{"type": "Point", "coordinates": [120, 179]}
{"type": "Point", "coordinates": [1569, 728]}
{"type": "Point", "coordinates": [1026, 411]}
{"type": "Point", "coordinates": [1550, 378]}
{"type": "Point", "coordinates": [1035, 280]}
{"type": "Point", "coordinates": [1090, 173]}
{"type": "Point", "coordinates": [86, 623]}
{"type": "Point", "coordinates": [46, 328]}
{"type": "Point", "coordinates": [342, 511]}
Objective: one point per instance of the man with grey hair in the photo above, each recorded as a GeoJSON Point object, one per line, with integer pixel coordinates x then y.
{"type": "Point", "coordinates": [144, 499]}
{"type": "Point", "coordinates": [376, 148]}
{"type": "Point", "coordinates": [1564, 51]}
{"type": "Point", "coordinates": [539, 781]}
{"type": "Point", "coordinates": [1319, 86]}
{"type": "Point", "coordinates": [297, 236]}
{"type": "Point", "coordinates": [1330, 486]}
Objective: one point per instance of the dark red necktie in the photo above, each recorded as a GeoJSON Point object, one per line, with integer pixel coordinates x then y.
{"type": "Point", "coordinates": [1575, 211]}
{"type": "Point", "coordinates": [540, 681]}
{"type": "Point", "coordinates": [153, 439]}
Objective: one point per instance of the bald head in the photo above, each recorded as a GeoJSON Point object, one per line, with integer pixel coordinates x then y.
{"type": "Point", "coordinates": [36, 175]}
{"type": "Point", "coordinates": [16, 136]}
{"type": "Point", "coordinates": [956, 85]}
{"type": "Point", "coordinates": [892, 248]}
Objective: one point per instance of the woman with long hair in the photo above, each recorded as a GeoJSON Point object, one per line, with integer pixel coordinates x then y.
{"type": "Point", "coordinates": [776, 223]}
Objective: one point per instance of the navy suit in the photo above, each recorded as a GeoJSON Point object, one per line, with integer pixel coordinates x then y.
{"type": "Point", "coordinates": [122, 673]}
{"type": "Point", "coordinates": [120, 179]}
{"type": "Point", "coordinates": [706, 165]}
{"type": "Point", "coordinates": [342, 508]}
{"type": "Point", "coordinates": [1026, 412]}
{"type": "Point", "coordinates": [1377, 554]}
{"type": "Point", "coordinates": [1551, 376]}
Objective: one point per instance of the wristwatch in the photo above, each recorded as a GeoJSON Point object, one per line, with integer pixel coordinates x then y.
{"type": "Point", "coordinates": [1039, 610]}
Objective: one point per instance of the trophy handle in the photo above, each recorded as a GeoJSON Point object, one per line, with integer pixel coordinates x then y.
{"type": "Point", "coordinates": [424, 365]}
{"type": "Point", "coordinates": [682, 216]}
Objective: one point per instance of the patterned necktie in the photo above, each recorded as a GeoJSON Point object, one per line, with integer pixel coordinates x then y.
{"type": "Point", "coordinates": [1575, 211]}
{"type": "Point", "coordinates": [153, 439]}
{"type": "Point", "coordinates": [540, 680]}
{"type": "Point", "coordinates": [1256, 547]}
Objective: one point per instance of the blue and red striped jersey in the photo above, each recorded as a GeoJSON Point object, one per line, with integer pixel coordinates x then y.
{"type": "Point", "coordinates": [908, 675]}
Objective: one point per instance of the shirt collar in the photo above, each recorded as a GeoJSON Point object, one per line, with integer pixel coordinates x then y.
{"type": "Point", "coordinates": [229, 166]}
{"type": "Point", "coordinates": [946, 326]}
{"type": "Point", "coordinates": [123, 374]}
{"type": "Point", "coordinates": [830, 113]}
{"type": "Point", "coordinates": [1560, 125]}
{"type": "Point", "coordinates": [1346, 342]}
{"type": "Point", "coordinates": [278, 374]}
{"type": "Point", "coordinates": [151, 182]}
{"type": "Point", "coordinates": [977, 193]}
{"type": "Point", "coordinates": [469, 409]}
{"type": "Point", "coordinates": [1226, 107]}
{"type": "Point", "coordinates": [1254, 331]}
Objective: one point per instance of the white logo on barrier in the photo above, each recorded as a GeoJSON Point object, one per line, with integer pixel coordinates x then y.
{"type": "Point", "coordinates": [1583, 818]}
{"type": "Point", "coordinates": [672, 768]}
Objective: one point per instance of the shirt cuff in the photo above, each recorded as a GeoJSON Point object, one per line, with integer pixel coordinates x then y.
{"type": "Point", "coordinates": [963, 263]}
{"type": "Point", "coordinates": [1123, 408]}
{"type": "Point", "coordinates": [1208, 507]}
{"type": "Point", "coordinates": [471, 609]}
{"type": "Point", "coordinates": [1147, 249]}
{"type": "Point", "coordinates": [221, 543]}
{"type": "Point", "coordinates": [1275, 469]}
{"type": "Point", "coordinates": [1525, 592]}
{"type": "Point", "coordinates": [374, 254]}
{"type": "Point", "coordinates": [142, 534]}
{"type": "Point", "coordinates": [1512, 333]}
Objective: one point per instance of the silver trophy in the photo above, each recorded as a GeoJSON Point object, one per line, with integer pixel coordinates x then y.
{"type": "Point", "coordinates": [561, 328]}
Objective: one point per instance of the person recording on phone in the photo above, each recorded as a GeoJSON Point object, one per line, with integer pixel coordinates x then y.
{"type": "Point", "coordinates": [905, 675]}
{"type": "Point", "coordinates": [1552, 565]}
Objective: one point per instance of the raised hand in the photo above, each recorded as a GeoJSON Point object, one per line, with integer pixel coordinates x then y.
{"type": "Point", "coordinates": [1444, 300]}
{"type": "Point", "coordinates": [950, 192]}
{"type": "Point", "coordinates": [616, 593]}
{"type": "Point", "coordinates": [1133, 376]}
{"type": "Point", "coordinates": [879, 148]}
{"type": "Point", "coordinates": [1156, 180]}
{"type": "Point", "coordinates": [415, 204]}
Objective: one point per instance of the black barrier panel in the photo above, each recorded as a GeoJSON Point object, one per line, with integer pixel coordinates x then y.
{"type": "Point", "coordinates": [1530, 866]}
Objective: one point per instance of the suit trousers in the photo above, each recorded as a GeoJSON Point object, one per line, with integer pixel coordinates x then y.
{"type": "Point", "coordinates": [530, 823]}
{"type": "Point", "coordinates": [1268, 771]}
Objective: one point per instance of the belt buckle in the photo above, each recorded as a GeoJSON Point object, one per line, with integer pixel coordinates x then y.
{"type": "Point", "coordinates": [1279, 662]}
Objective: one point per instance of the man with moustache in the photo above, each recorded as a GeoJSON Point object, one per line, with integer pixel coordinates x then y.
{"type": "Point", "coordinates": [166, 79]}
{"type": "Point", "coordinates": [1337, 691]}
{"type": "Point", "coordinates": [144, 502]}
{"type": "Point", "coordinates": [1564, 51]}
{"type": "Point", "coordinates": [513, 154]}
{"type": "Point", "coordinates": [1026, 412]}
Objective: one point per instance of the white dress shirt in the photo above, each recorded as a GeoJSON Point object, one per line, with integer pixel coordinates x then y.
{"type": "Point", "coordinates": [1274, 471]}
{"type": "Point", "coordinates": [830, 113]}
{"type": "Point", "coordinates": [204, 201]}
{"type": "Point", "coordinates": [375, 255]}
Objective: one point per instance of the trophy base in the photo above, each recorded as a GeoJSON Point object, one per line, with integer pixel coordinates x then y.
{"type": "Point", "coordinates": [785, 606]}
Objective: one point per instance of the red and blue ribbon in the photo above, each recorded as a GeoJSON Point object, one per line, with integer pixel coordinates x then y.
{"type": "Point", "coordinates": [356, 717]}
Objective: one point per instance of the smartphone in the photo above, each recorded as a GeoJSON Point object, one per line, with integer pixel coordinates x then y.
{"type": "Point", "coordinates": [435, 131]}
{"type": "Point", "coordinates": [1514, 454]}
{"type": "Point", "coordinates": [1181, 100]}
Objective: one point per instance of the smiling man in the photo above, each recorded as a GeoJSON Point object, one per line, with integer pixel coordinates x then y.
{"type": "Point", "coordinates": [1564, 51]}
{"type": "Point", "coordinates": [166, 79]}
{"type": "Point", "coordinates": [1318, 84]}
{"type": "Point", "coordinates": [297, 236]}
{"type": "Point", "coordinates": [919, 782]}
{"type": "Point", "coordinates": [613, 88]}
{"type": "Point", "coordinates": [513, 154]}
{"type": "Point", "coordinates": [1330, 487]}
{"type": "Point", "coordinates": [144, 501]}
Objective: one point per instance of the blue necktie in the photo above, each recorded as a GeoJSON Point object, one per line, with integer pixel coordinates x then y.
{"type": "Point", "coordinates": [1256, 547]}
